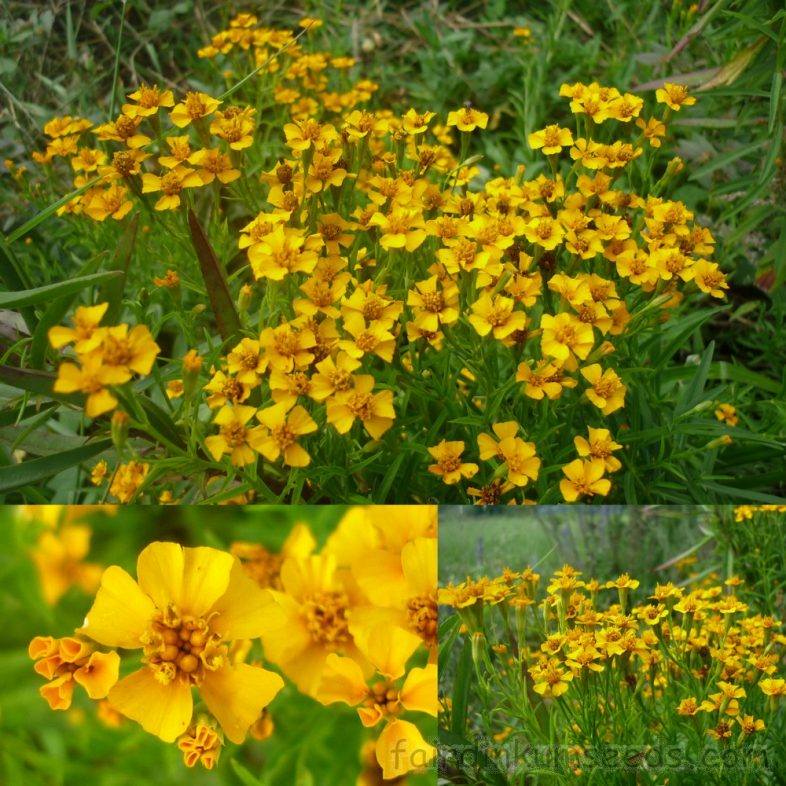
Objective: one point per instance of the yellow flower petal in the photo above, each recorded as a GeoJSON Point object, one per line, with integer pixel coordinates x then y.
{"type": "Point", "coordinates": [419, 692]}
{"type": "Point", "coordinates": [387, 647]}
{"type": "Point", "coordinates": [243, 609]}
{"type": "Point", "coordinates": [163, 710]}
{"type": "Point", "coordinates": [237, 696]}
{"type": "Point", "coordinates": [342, 680]}
{"type": "Point", "coordinates": [121, 612]}
{"type": "Point", "coordinates": [401, 748]}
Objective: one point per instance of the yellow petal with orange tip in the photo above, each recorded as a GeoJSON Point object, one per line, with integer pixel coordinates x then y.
{"type": "Point", "coordinates": [121, 612]}
{"type": "Point", "coordinates": [342, 680]}
{"type": "Point", "coordinates": [99, 674]}
{"type": "Point", "coordinates": [237, 695]}
{"type": "Point", "coordinates": [162, 710]}
{"type": "Point", "coordinates": [419, 692]}
{"type": "Point", "coordinates": [401, 749]}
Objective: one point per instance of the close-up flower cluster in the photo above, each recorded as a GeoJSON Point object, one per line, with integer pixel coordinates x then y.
{"type": "Point", "coordinates": [242, 646]}
{"type": "Point", "coordinates": [341, 301]}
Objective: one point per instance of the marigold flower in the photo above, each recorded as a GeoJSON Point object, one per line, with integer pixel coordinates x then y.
{"type": "Point", "coordinates": [564, 335]}
{"type": "Point", "coordinates": [285, 427]}
{"type": "Point", "coordinates": [449, 465]}
{"type": "Point", "coordinates": [584, 478]}
{"type": "Point", "coordinates": [374, 411]}
{"type": "Point", "coordinates": [171, 184]}
{"type": "Point", "coordinates": [467, 119]}
{"type": "Point", "coordinates": [194, 106]}
{"type": "Point", "coordinates": [128, 479]}
{"type": "Point", "coordinates": [90, 379]}
{"type": "Point", "coordinates": [187, 606]}
{"type": "Point", "coordinates": [551, 139]}
{"type": "Point", "coordinates": [496, 315]}
{"type": "Point", "coordinates": [674, 96]}
{"type": "Point", "coordinates": [85, 334]}
{"type": "Point", "coordinates": [607, 391]}
{"type": "Point", "coordinates": [147, 101]}
{"type": "Point", "coordinates": [599, 445]}
{"type": "Point", "coordinates": [235, 437]}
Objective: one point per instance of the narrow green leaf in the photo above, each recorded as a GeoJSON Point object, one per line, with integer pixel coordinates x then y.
{"type": "Point", "coordinates": [16, 475]}
{"type": "Point", "coordinates": [447, 635]}
{"type": "Point", "coordinates": [390, 476]}
{"type": "Point", "coordinates": [215, 279]}
{"type": "Point", "coordinates": [112, 291]}
{"type": "Point", "coordinates": [461, 685]}
{"type": "Point", "coordinates": [33, 381]}
{"type": "Point", "coordinates": [245, 776]}
{"type": "Point", "coordinates": [30, 225]}
{"type": "Point", "coordinates": [161, 421]}
{"type": "Point", "coordinates": [692, 395]}
{"type": "Point", "coordinates": [723, 160]}
{"type": "Point", "coordinates": [15, 277]}
{"type": "Point", "coordinates": [30, 297]}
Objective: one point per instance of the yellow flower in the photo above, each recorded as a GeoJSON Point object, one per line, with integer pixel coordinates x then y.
{"type": "Point", "coordinates": [496, 316]}
{"type": "Point", "coordinates": [309, 618]}
{"type": "Point", "coordinates": [280, 253]}
{"type": "Point", "coordinates": [652, 129]}
{"type": "Point", "coordinates": [400, 228]}
{"type": "Point", "coordinates": [99, 472]}
{"type": "Point", "coordinates": [709, 278]}
{"type": "Point", "coordinates": [213, 164]}
{"type": "Point", "coordinates": [565, 335]}
{"type": "Point", "coordinates": [148, 100]}
{"type": "Point", "coordinates": [123, 354]}
{"type": "Point", "coordinates": [607, 391]}
{"type": "Point", "coordinates": [415, 122]}
{"type": "Point", "coordinates": [599, 445]}
{"type": "Point", "coordinates": [550, 679]}
{"type": "Point", "coordinates": [284, 431]}
{"type": "Point", "coordinates": [89, 379]}
{"type": "Point", "coordinates": [235, 126]}
{"type": "Point", "coordinates": [187, 607]}
{"type": "Point", "coordinates": [518, 456]}
{"type": "Point", "coordinates": [374, 411]}
{"type": "Point", "coordinates": [727, 413]}
{"type": "Point", "coordinates": [124, 130]}
{"type": "Point", "coordinates": [128, 479]}
{"type": "Point", "coordinates": [194, 106]}
{"type": "Point", "coordinates": [449, 465]}
{"type": "Point", "coordinates": [100, 203]}
{"type": "Point", "coordinates": [584, 479]}
{"type": "Point", "coordinates": [58, 557]}
{"type": "Point", "coordinates": [467, 119]}
{"type": "Point", "coordinates": [235, 437]}
{"type": "Point", "coordinates": [547, 379]}
{"type": "Point", "coordinates": [674, 96]}
{"type": "Point", "coordinates": [171, 184]}
{"type": "Point", "coordinates": [85, 333]}
{"type": "Point", "coordinates": [551, 139]}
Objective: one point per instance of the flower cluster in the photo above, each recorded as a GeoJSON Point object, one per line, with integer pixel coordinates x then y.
{"type": "Point", "coordinates": [354, 622]}
{"type": "Point", "coordinates": [700, 656]}
{"type": "Point", "coordinates": [350, 622]}
{"type": "Point", "coordinates": [383, 278]}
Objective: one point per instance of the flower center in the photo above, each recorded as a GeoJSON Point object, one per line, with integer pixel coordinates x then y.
{"type": "Point", "coordinates": [433, 301]}
{"type": "Point", "coordinates": [325, 616]}
{"type": "Point", "coordinates": [385, 696]}
{"type": "Point", "coordinates": [182, 648]}
{"type": "Point", "coordinates": [117, 353]}
{"type": "Point", "coordinates": [234, 434]}
{"type": "Point", "coordinates": [360, 404]}
{"type": "Point", "coordinates": [422, 618]}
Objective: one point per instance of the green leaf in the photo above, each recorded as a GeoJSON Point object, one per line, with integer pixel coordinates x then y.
{"type": "Point", "coordinates": [30, 297]}
{"type": "Point", "coordinates": [692, 395]}
{"type": "Point", "coordinates": [112, 291]}
{"type": "Point", "coordinates": [29, 226]}
{"type": "Point", "coordinates": [39, 382]}
{"type": "Point", "coordinates": [446, 636]}
{"type": "Point", "coordinates": [723, 160]}
{"type": "Point", "coordinates": [15, 278]}
{"type": "Point", "coordinates": [461, 685]}
{"type": "Point", "coordinates": [215, 279]}
{"type": "Point", "coordinates": [160, 420]}
{"type": "Point", "coordinates": [17, 475]}
{"type": "Point", "coordinates": [245, 776]}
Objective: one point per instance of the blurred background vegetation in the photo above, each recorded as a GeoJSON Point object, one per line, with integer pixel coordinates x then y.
{"type": "Point", "coordinates": [311, 744]}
